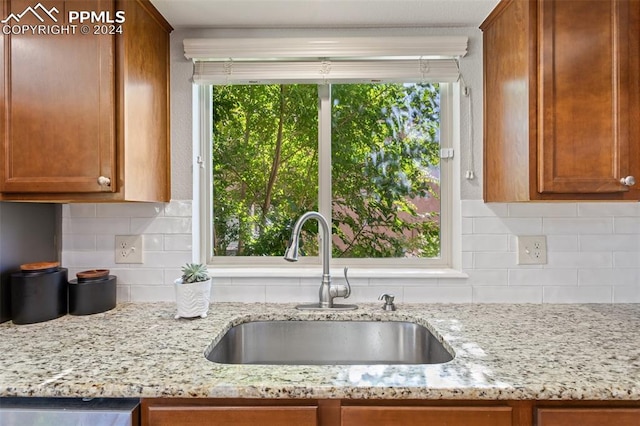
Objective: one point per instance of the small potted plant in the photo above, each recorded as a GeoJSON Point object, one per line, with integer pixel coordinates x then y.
{"type": "Point", "coordinates": [193, 290]}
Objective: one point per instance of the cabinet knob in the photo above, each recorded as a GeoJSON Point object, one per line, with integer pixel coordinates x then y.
{"type": "Point", "coordinates": [104, 181]}
{"type": "Point", "coordinates": [628, 181]}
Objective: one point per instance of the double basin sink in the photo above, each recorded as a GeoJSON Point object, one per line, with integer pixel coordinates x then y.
{"type": "Point", "coordinates": [328, 343]}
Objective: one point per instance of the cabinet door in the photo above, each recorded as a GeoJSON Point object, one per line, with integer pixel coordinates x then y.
{"type": "Point", "coordinates": [584, 101]}
{"type": "Point", "coordinates": [433, 416]}
{"type": "Point", "coordinates": [588, 416]}
{"type": "Point", "coordinates": [58, 108]}
{"type": "Point", "coordinates": [232, 416]}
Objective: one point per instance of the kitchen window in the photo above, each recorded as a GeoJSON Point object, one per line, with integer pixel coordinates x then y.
{"type": "Point", "coordinates": [371, 151]}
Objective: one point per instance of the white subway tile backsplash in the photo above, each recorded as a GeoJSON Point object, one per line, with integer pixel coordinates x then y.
{"type": "Point", "coordinates": [467, 260]}
{"type": "Point", "coordinates": [270, 282]}
{"type": "Point", "coordinates": [617, 242]}
{"type": "Point", "coordinates": [485, 242]}
{"type": "Point", "coordinates": [477, 208]}
{"type": "Point", "coordinates": [485, 260]}
{"type": "Point", "coordinates": [161, 225]}
{"type": "Point", "coordinates": [95, 226]}
{"type": "Point", "coordinates": [152, 293]}
{"type": "Point", "coordinates": [89, 259]}
{"type": "Point", "coordinates": [627, 225]}
{"type": "Point", "coordinates": [166, 259]}
{"type": "Point", "coordinates": [79, 210]}
{"type": "Point", "coordinates": [129, 210]}
{"type": "Point", "coordinates": [406, 282]}
{"type": "Point", "coordinates": [626, 294]}
{"type": "Point", "coordinates": [617, 209]}
{"type": "Point", "coordinates": [627, 259]}
{"type": "Point", "coordinates": [580, 260]}
{"type": "Point", "coordinates": [245, 294]}
{"type": "Point", "coordinates": [578, 294]}
{"type": "Point", "coordinates": [614, 276]}
{"type": "Point", "coordinates": [593, 256]}
{"type": "Point", "coordinates": [80, 242]}
{"type": "Point", "coordinates": [154, 242]}
{"type": "Point", "coordinates": [177, 242]}
{"type": "Point", "coordinates": [291, 294]}
{"type": "Point", "coordinates": [123, 293]}
{"type": "Point", "coordinates": [369, 294]}
{"type": "Point", "coordinates": [501, 294]}
{"type": "Point", "coordinates": [178, 209]}
{"type": "Point", "coordinates": [139, 276]}
{"type": "Point", "coordinates": [543, 210]}
{"type": "Point", "coordinates": [562, 243]}
{"type": "Point", "coordinates": [540, 277]}
{"type": "Point", "coordinates": [488, 277]}
{"type": "Point", "coordinates": [578, 226]}
{"type": "Point", "coordinates": [440, 294]}
{"type": "Point", "coordinates": [498, 225]}
{"type": "Point", "coordinates": [467, 225]}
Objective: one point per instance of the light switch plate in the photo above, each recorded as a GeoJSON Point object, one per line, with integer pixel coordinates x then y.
{"type": "Point", "coordinates": [532, 250]}
{"type": "Point", "coordinates": [128, 249]}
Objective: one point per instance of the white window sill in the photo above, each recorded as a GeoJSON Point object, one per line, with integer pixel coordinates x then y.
{"type": "Point", "coordinates": [355, 272]}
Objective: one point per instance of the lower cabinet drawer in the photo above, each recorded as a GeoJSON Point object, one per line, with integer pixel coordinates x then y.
{"type": "Point", "coordinates": [432, 416]}
{"type": "Point", "coordinates": [588, 416]}
{"type": "Point", "coordinates": [232, 416]}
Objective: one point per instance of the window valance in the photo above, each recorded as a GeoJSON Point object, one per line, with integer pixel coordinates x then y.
{"type": "Point", "coordinates": [325, 60]}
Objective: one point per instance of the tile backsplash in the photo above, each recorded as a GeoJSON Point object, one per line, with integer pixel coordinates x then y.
{"type": "Point", "coordinates": [593, 256]}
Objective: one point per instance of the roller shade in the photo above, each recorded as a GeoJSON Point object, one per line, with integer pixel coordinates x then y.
{"type": "Point", "coordinates": [326, 60]}
{"type": "Point", "coordinates": [322, 72]}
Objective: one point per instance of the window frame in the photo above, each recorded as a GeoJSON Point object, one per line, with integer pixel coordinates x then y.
{"type": "Point", "coordinates": [450, 257]}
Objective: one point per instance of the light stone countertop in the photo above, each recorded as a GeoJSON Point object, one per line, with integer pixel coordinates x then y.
{"type": "Point", "coordinates": [501, 352]}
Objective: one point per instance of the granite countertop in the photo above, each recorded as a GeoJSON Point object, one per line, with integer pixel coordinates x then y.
{"type": "Point", "coordinates": [501, 352]}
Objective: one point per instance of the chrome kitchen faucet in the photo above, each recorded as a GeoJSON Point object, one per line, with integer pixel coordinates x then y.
{"type": "Point", "coordinates": [327, 291]}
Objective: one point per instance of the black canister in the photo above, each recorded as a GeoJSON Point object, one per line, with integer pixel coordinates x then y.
{"type": "Point", "coordinates": [92, 292]}
{"type": "Point", "coordinates": [38, 293]}
{"type": "Point", "coordinates": [5, 299]}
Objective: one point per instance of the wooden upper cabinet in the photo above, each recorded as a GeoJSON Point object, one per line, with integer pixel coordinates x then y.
{"type": "Point", "coordinates": [583, 115]}
{"type": "Point", "coordinates": [561, 83]}
{"type": "Point", "coordinates": [85, 117]}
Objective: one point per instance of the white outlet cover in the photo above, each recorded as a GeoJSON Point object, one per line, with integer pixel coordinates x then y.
{"type": "Point", "coordinates": [128, 249]}
{"type": "Point", "coordinates": [532, 250]}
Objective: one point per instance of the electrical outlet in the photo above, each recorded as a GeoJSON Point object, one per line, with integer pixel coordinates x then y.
{"type": "Point", "coordinates": [532, 250]}
{"type": "Point", "coordinates": [128, 249]}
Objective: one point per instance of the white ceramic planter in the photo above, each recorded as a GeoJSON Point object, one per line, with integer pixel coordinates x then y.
{"type": "Point", "coordinates": [192, 300]}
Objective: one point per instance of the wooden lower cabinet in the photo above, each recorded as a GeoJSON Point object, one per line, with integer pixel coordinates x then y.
{"type": "Point", "coordinates": [241, 412]}
{"type": "Point", "coordinates": [418, 416]}
{"type": "Point", "coordinates": [232, 416]}
{"type": "Point", "coordinates": [588, 416]}
{"type": "Point", "coordinates": [228, 412]}
{"type": "Point", "coordinates": [389, 412]}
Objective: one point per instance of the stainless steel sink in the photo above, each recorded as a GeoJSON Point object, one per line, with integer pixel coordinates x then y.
{"type": "Point", "coordinates": [328, 343]}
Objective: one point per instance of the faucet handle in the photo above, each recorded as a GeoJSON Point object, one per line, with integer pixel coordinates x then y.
{"type": "Point", "coordinates": [347, 285]}
{"type": "Point", "coordinates": [388, 301]}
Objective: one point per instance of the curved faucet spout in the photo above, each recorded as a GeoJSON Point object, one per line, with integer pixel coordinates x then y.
{"type": "Point", "coordinates": [291, 253]}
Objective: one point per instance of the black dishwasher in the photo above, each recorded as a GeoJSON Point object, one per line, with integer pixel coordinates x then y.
{"type": "Point", "coordinates": [16, 411]}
